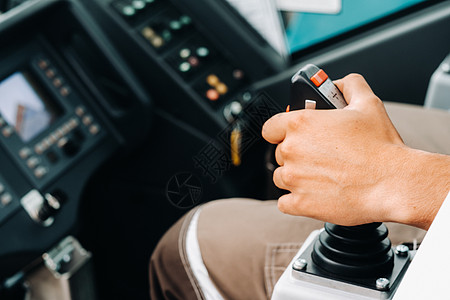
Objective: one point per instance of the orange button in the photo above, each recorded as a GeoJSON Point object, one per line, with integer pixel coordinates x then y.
{"type": "Point", "coordinates": [212, 94]}
{"type": "Point", "coordinates": [222, 88]}
{"type": "Point", "coordinates": [319, 78]}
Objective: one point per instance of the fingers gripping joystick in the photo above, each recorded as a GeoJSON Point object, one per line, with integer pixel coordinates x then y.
{"type": "Point", "coordinates": [355, 259]}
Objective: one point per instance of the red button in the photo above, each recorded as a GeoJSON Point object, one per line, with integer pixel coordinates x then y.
{"type": "Point", "coordinates": [212, 94]}
{"type": "Point", "coordinates": [319, 78]}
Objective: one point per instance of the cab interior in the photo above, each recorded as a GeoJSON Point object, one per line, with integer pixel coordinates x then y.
{"type": "Point", "coordinates": [141, 103]}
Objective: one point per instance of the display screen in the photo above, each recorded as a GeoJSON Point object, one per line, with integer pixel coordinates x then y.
{"type": "Point", "coordinates": [25, 106]}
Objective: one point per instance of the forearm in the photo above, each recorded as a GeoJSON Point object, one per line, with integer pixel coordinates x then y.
{"type": "Point", "coordinates": [420, 184]}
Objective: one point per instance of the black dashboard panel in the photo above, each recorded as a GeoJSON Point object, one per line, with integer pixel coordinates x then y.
{"type": "Point", "coordinates": [195, 57]}
{"type": "Point", "coordinates": [59, 121]}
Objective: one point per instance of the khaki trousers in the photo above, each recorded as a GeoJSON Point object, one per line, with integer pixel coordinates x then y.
{"type": "Point", "coordinates": [246, 244]}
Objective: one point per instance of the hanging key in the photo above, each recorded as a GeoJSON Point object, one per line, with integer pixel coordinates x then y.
{"type": "Point", "coordinates": [235, 144]}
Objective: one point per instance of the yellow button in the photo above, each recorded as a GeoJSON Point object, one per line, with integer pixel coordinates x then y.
{"type": "Point", "coordinates": [157, 41]}
{"type": "Point", "coordinates": [222, 88]}
{"type": "Point", "coordinates": [212, 80]}
{"type": "Point", "coordinates": [148, 33]}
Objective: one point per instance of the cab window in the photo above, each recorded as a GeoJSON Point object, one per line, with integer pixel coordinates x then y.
{"type": "Point", "coordinates": [305, 29]}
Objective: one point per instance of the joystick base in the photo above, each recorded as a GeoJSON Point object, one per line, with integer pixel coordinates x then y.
{"type": "Point", "coordinates": [364, 286]}
{"type": "Point", "coordinates": [312, 283]}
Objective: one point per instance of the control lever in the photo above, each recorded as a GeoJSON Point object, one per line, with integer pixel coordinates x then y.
{"type": "Point", "coordinates": [359, 255]}
{"type": "Point", "coordinates": [312, 84]}
{"type": "Point", "coordinates": [42, 208]}
{"type": "Point", "coordinates": [49, 207]}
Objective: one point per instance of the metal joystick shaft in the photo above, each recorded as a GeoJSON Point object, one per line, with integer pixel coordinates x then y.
{"type": "Point", "coordinates": [362, 251]}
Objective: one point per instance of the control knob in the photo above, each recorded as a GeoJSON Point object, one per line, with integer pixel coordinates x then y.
{"type": "Point", "coordinates": [42, 209]}
{"type": "Point", "coordinates": [71, 145]}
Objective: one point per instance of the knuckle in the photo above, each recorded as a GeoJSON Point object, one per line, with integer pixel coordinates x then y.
{"type": "Point", "coordinates": [279, 156]}
{"type": "Point", "coordinates": [277, 177]}
{"type": "Point", "coordinates": [284, 203]}
{"type": "Point", "coordinates": [374, 102]}
{"type": "Point", "coordinates": [267, 126]}
{"type": "Point", "coordinates": [264, 130]}
{"type": "Point", "coordinates": [289, 204]}
{"type": "Point", "coordinates": [288, 177]}
{"type": "Point", "coordinates": [285, 149]}
{"type": "Point", "coordinates": [354, 76]}
{"type": "Point", "coordinates": [294, 123]}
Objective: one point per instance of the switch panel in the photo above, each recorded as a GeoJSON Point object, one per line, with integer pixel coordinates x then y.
{"type": "Point", "coordinates": [178, 41]}
{"type": "Point", "coordinates": [192, 57]}
{"type": "Point", "coordinates": [8, 200]}
{"type": "Point", "coordinates": [220, 81]}
{"type": "Point", "coordinates": [166, 29]}
{"type": "Point", "coordinates": [134, 9]}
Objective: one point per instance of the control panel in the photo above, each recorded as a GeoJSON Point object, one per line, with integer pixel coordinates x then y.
{"type": "Point", "coordinates": [9, 202]}
{"type": "Point", "coordinates": [44, 122]}
{"type": "Point", "coordinates": [61, 118]}
{"type": "Point", "coordinates": [199, 67]}
{"type": "Point", "coordinates": [177, 40]}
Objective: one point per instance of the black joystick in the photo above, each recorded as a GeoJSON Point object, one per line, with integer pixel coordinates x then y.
{"type": "Point", "coordinates": [359, 255]}
{"type": "Point", "coordinates": [353, 252]}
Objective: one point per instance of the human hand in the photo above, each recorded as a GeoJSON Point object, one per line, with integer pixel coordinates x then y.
{"type": "Point", "coordinates": [350, 166]}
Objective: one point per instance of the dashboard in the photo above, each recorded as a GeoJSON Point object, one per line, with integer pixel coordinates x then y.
{"type": "Point", "coordinates": [186, 55]}
{"type": "Point", "coordinates": [54, 125]}
{"type": "Point", "coordinates": [103, 103]}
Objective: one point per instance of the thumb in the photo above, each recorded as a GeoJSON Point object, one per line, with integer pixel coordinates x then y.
{"type": "Point", "coordinates": [356, 91]}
